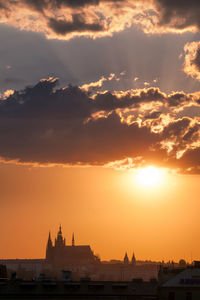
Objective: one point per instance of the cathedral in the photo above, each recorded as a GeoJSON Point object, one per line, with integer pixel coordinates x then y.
{"type": "Point", "coordinates": [61, 254]}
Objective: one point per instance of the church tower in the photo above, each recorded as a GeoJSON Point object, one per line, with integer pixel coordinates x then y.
{"type": "Point", "coordinates": [126, 260]}
{"type": "Point", "coordinates": [49, 247]}
{"type": "Point", "coordinates": [59, 241]}
{"type": "Point", "coordinates": [133, 261]}
{"type": "Point", "coordinates": [73, 240]}
{"type": "Point", "coordinates": [60, 254]}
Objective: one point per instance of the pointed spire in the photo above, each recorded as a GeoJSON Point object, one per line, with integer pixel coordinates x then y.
{"type": "Point", "coordinates": [49, 247]}
{"type": "Point", "coordinates": [73, 241]}
{"type": "Point", "coordinates": [59, 241]}
{"type": "Point", "coordinates": [49, 242]}
{"type": "Point", "coordinates": [126, 260]}
{"type": "Point", "coordinates": [133, 260]}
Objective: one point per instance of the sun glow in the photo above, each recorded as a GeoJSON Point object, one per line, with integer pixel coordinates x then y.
{"type": "Point", "coordinates": [149, 176]}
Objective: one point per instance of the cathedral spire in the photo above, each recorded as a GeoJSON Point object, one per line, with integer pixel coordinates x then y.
{"type": "Point", "coordinates": [126, 260]}
{"type": "Point", "coordinates": [49, 242]}
{"type": "Point", "coordinates": [133, 261]}
{"type": "Point", "coordinates": [59, 241]}
{"type": "Point", "coordinates": [73, 241]}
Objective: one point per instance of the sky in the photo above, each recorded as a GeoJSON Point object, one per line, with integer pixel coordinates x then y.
{"type": "Point", "coordinates": [92, 93]}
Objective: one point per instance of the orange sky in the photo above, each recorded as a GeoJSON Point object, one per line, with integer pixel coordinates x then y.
{"type": "Point", "coordinates": [103, 207]}
{"type": "Point", "coordinates": [101, 83]}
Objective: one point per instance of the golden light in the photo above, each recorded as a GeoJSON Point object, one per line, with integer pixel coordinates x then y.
{"type": "Point", "coordinates": [149, 176]}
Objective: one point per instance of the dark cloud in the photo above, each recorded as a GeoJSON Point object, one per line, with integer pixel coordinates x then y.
{"type": "Point", "coordinates": [3, 6]}
{"type": "Point", "coordinates": [65, 19]}
{"type": "Point", "coordinates": [40, 4]}
{"type": "Point", "coordinates": [45, 124]}
{"type": "Point", "coordinates": [78, 24]}
{"type": "Point", "coordinates": [45, 101]}
{"type": "Point", "coordinates": [185, 136]}
{"type": "Point", "coordinates": [108, 101]}
{"type": "Point", "coordinates": [153, 115]}
{"type": "Point", "coordinates": [176, 130]}
{"type": "Point", "coordinates": [37, 5]}
{"type": "Point", "coordinates": [192, 59]}
{"type": "Point", "coordinates": [178, 98]}
{"type": "Point", "coordinates": [78, 17]}
{"type": "Point", "coordinates": [178, 14]}
{"type": "Point", "coordinates": [96, 18]}
{"type": "Point", "coordinates": [196, 60]}
{"type": "Point", "coordinates": [191, 160]}
{"type": "Point", "coordinates": [42, 102]}
{"type": "Point", "coordinates": [72, 142]}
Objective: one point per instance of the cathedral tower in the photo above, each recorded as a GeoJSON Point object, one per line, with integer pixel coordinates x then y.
{"type": "Point", "coordinates": [59, 241]}
{"type": "Point", "coordinates": [133, 261]}
{"type": "Point", "coordinates": [60, 254]}
{"type": "Point", "coordinates": [126, 260]}
{"type": "Point", "coordinates": [49, 247]}
{"type": "Point", "coordinates": [73, 241]}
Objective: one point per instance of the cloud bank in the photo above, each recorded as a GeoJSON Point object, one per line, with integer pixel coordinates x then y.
{"type": "Point", "coordinates": [44, 124]}
{"type": "Point", "coordinates": [65, 19]}
{"type": "Point", "coordinates": [192, 60]}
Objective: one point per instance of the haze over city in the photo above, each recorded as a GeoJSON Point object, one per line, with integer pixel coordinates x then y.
{"type": "Point", "coordinates": [100, 127]}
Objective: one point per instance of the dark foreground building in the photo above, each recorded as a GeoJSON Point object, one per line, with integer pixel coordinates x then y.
{"type": "Point", "coordinates": [3, 271]}
{"type": "Point", "coordinates": [180, 284]}
{"type": "Point", "coordinates": [77, 290]}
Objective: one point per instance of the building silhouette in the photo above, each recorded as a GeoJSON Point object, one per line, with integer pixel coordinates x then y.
{"type": "Point", "coordinates": [62, 254]}
{"type": "Point", "coordinates": [81, 261]}
{"type": "Point", "coordinates": [133, 260]}
{"type": "Point", "coordinates": [126, 259]}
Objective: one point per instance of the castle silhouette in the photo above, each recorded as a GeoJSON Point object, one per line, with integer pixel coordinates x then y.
{"type": "Point", "coordinates": [62, 254]}
{"type": "Point", "coordinates": [79, 259]}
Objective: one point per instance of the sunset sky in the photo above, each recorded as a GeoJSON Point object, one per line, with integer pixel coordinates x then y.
{"type": "Point", "coordinates": [100, 126]}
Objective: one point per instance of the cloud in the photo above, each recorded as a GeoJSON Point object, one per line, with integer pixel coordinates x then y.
{"type": "Point", "coordinates": [65, 19]}
{"type": "Point", "coordinates": [78, 24]}
{"type": "Point", "coordinates": [178, 15]}
{"type": "Point", "coordinates": [191, 161]}
{"type": "Point", "coordinates": [44, 124]}
{"type": "Point", "coordinates": [49, 126]}
{"type": "Point", "coordinates": [68, 19]}
{"type": "Point", "coordinates": [96, 85]}
{"type": "Point", "coordinates": [192, 59]}
{"type": "Point", "coordinates": [8, 93]}
{"type": "Point", "coordinates": [153, 115]}
{"type": "Point", "coordinates": [178, 98]}
{"type": "Point", "coordinates": [125, 164]}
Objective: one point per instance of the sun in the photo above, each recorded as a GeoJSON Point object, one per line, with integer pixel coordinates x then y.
{"type": "Point", "coordinates": [149, 176]}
